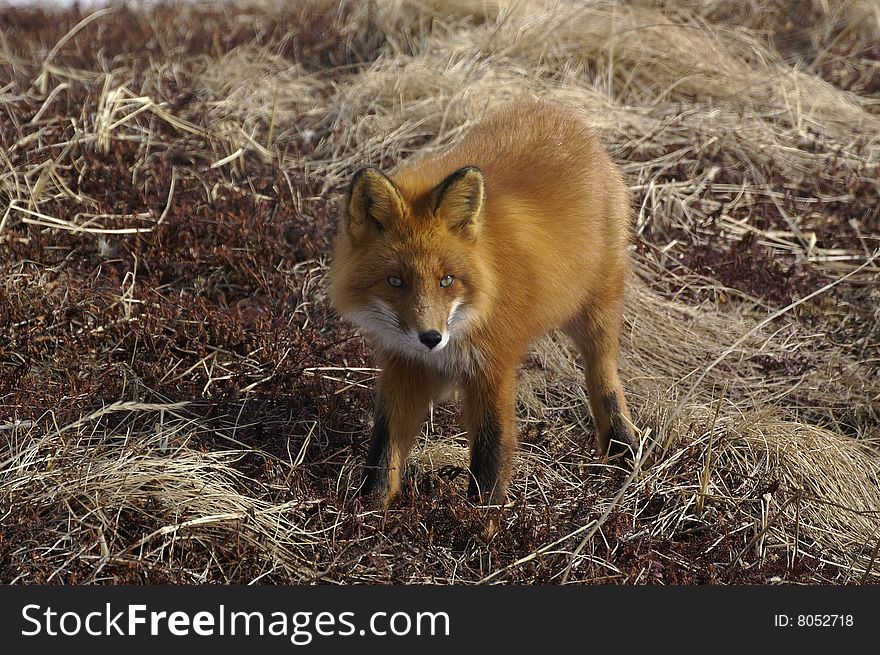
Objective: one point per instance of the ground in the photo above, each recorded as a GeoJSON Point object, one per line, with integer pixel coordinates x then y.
{"type": "Point", "coordinates": [179, 403]}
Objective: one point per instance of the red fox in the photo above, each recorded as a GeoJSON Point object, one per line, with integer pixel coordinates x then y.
{"type": "Point", "coordinates": [455, 263]}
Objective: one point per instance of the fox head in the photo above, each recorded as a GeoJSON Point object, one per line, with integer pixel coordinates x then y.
{"type": "Point", "coordinates": [406, 268]}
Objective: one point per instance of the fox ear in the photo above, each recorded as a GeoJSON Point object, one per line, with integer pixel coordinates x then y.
{"type": "Point", "coordinates": [372, 205]}
{"type": "Point", "coordinates": [459, 201]}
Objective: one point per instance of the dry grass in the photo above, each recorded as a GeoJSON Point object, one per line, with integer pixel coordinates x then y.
{"type": "Point", "coordinates": [178, 403]}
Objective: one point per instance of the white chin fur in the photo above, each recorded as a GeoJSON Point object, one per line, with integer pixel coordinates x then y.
{"type": "Point", "coordinates": [379, 322]}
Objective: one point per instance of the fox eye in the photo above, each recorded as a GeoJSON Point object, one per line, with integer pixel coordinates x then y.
{"type": "Point", "coordinates": [395, 282]}
{"type": "Point", "coordinates": [446, 281]}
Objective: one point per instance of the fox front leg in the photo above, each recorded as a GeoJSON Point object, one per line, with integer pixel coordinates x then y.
{"type": "Point", "coordinates": [402, 401]}
{"type": "Point", "coordinates": [489, 416]}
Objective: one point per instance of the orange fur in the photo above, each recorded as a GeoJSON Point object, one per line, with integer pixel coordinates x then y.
{"type": "Point", "coordinates": [531, 221]}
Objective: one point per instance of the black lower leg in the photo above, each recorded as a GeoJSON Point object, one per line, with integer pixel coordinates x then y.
{"type": "Point", "coordinates": [619, 437]}
{"type": "Point", "coordinates": [487, 461]}
{"type": "Point", "coordinates": [376, 471]}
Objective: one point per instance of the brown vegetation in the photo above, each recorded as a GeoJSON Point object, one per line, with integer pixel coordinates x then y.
{"type": "Point", "coordinates": [179, 404]}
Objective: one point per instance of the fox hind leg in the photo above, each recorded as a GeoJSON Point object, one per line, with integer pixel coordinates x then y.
{"type": "Point", "coordinates": [596, 332]}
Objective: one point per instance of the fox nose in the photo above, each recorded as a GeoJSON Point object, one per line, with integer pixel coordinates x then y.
{"type": "Point", "coordinates": [430, 338]}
